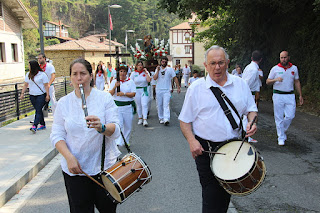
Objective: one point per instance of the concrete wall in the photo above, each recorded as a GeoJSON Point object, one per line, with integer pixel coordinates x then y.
{"type": "Point", "coordinates": [199, 50]}
{"type": "Point", "coordinates": [62, 60]}
{"type": "Point", "coordinates": [10, 33]}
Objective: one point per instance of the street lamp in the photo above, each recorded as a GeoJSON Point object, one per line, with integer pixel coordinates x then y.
{"type": "Point", "coordinates": [111, 6]}
{"type": "Point", "coordinates": [126, 40]}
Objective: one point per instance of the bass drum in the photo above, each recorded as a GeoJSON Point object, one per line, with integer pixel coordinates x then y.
{"type": "Point", "coordinates": [126, 177]}
{"type": "Point", "coordinates": [240, 176]}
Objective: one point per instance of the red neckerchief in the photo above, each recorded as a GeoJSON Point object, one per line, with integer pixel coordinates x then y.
{"type": "Point", "coordinates": [285, 68]}
{"type": "Point", "coordinates": [43, 67]}
{"type": "Point", "coordinates": [99, 73]}
{"type": "Point", "coordinates": [125, 80]}
{"type": "Point", "coordinates": [139, 71]}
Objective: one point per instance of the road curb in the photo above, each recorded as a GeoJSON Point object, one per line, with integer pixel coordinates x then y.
{"type": "Point", "coordinates": [20, 181]}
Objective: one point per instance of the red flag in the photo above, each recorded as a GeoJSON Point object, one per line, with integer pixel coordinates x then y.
{"type": "Point", "coordinates": [110, 21]}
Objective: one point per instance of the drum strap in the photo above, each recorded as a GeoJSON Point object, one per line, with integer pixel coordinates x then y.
{"type": "Point", "coordinates": [103, 151]}
{"type": "Point", "coordinates": [221, 97]}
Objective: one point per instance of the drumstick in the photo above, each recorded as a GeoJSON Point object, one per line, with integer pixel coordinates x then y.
{"type": "Point", "coordinates": [254, 120]}
{"type": "Point", "coordinates": [215, 152]}
{"type": "Point", "coordinates": [94, 180]}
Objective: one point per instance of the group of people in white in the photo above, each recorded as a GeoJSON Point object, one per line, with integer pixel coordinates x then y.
{"type": "Point", "coordinates": [283, 76]}
{"type": "Point", "coordinates": [135, 87]}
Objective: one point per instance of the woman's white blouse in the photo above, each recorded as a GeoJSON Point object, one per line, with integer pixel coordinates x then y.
{"type": "Point", "coordinates": [85, 143]}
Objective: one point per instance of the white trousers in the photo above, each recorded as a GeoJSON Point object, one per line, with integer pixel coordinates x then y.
{"type": "Point", "coordinates": [125, 117]}
{"type": "Point", "coordinates": [53, 99]}
{"type": "Point", "coordinates": [284, 106]}
{"type": "Point", "coordinates": [100, 84]}
{"type": "Point", "coordinates": [186, 80]}
{"type": "Point", "coordinates": [142, 101]}
{"type": "Point", "coordinates": [163, 104]}
{"type": "Point", "coordinates": [150, 97]}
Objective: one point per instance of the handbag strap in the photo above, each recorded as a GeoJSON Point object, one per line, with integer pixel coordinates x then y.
{"type": "Point", "coordinates": [221, 97]}
{"type": "Point", "coordinates": [37, 86]}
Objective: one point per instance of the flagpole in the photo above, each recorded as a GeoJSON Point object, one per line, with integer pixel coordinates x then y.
{"type": "Point", "coordinates": [109, 21]}
{"type": "Point", "coordinates": [109, 32]}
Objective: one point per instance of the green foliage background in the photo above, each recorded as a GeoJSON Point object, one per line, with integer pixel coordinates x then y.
{"type": "Point", "coordinates": [88, 16]}
{"type": "Point", "coordinates": [242, 26]}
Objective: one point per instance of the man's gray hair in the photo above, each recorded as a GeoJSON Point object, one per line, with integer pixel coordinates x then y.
{"type": "Point", "coordinates": [216, 47]}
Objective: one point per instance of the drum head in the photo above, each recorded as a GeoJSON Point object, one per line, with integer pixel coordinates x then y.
{"type": "Point", "coordinates": [226, 168]}
{"type": "Point", "coordinates": [112, 187]}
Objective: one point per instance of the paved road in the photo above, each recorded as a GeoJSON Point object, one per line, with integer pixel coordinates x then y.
{"type": "Point", "coordinates": [292, 183]}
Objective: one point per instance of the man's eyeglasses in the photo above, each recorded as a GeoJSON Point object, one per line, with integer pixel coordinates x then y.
{"type": "Point", "coordinates": [220, 63]}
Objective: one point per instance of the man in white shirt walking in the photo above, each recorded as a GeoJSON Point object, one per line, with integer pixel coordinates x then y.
{"type": "Point", "coordinates": [49, 70]}
{"type": "Point", "coordinates": [283, 76]}
{"type": "Point", "coordinates": [186, 74]}
{"type": "Point", "coordinates": [251, 72]}
{"type": "Point", "coordinates": [164, 75]}
{"type": "Point", "coordinates": [204, 123]}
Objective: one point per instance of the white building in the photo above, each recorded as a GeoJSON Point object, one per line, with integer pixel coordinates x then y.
{"type": "Point", "coordinates": [56, 30]}
{"type": "Point", "coordinates": [13, 17]}
{"type": "Point", "coordinates": [181, 46]}
{"type": "Point", "coordinates": [182, 49]}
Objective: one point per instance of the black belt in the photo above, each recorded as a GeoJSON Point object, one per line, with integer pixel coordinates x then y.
{"type": "Point", "coordinates": [204, 143]}
{"type": "Point", "coordinates": [282, 92]}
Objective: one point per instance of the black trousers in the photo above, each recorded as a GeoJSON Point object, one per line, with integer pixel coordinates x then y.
{"type": "Point", "coordinates": [84, 194]}
{"type": "Point", "coordinates": [214, 198]}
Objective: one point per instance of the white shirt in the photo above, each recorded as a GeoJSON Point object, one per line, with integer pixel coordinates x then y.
{"type": "Point", "coordinates": [99, 77]}
{"type": "Point", "coordinates": [191, 80]}
{"type": "Point", "coordinates": [85, 143]}
{"type": "Point", "coordinates": [202, 109]}
{"type": "Point", "coordinates": [49, 70]}
{"type": "Point", "coordinates": [260, 75]}
{"type": "Point", "coordinates": [127, 86]}
{"type": "Point", "coordinates": [139, 79]}
{"type": "Point", "coordinates": [164, 78]}
{"type": "Point", "coordinates": [288, 75]}
{"type": "Point", "coordinates": [251, 76]}
{"type": "Point", "coordinates": [237, 74]}
{"type": "Point", "coordinates": [152, 82]}
{"type": "Point", "coordinates": [186, 70]}
{"type": "Point", "coordinates": [40, 78]}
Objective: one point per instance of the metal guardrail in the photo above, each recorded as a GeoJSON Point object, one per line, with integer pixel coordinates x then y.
{"type": "Point", "coordinates": [11, 106]}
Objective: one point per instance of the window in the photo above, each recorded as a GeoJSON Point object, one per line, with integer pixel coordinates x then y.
{"type": "Point", "coordinates": [177, 61]}
{"type": "Point", "coordinates": [188, 49]}
{"type": "Point", "coordinates": [14, 52]}
{"type": "Point", "coordinates": [2, 53]}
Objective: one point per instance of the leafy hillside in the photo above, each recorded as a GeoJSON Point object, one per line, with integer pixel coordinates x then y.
{"type": "Point", "coordinates": [86, 16]}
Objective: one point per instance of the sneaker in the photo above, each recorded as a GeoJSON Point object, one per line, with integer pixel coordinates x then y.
{"type": "Point", "coordinates": [33, 129]}
{"type": "Point", "coordinates": [251, 140]}
{"type": "Point", "coordinates": [145, 123]}
{"type": "Point", "coordinates": [41, 127]}
{"type": "Point", "coordinates": [166, 123]}
{"type": "Point", "coordinates": [161, 121]}
{"type": "Point", "coordinates": [140, 121]}
{"type": "Point", "coordinates": [281, 143]}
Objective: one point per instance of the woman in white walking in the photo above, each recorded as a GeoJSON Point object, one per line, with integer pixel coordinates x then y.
{"type": "Point", "coordinates": [100, 77]}
{"type": "Point", "coordinates": [141, 78]}
{"type": "Point", "coordinates": [124, 101]}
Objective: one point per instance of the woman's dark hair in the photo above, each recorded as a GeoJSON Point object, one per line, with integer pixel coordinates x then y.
{"type": "Point", "coordinates": [34, 69]}
{"type": "Point", "coordinates": [84, 63]}
{"type": "Point", "coordinates": [98, 69]}
{"type": "Point", "coordinates": [122, 67]}
{"type": "Point", "coordinates": [138, 62]}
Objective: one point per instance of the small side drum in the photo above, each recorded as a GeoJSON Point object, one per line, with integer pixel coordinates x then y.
{"type": "Point", "coordinates": [243, 175]}
{"type": "Point", "coordinates": [126, 177]}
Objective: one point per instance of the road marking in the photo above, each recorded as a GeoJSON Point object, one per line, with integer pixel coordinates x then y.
{"type": "Point", "coordinates": [30, 188]}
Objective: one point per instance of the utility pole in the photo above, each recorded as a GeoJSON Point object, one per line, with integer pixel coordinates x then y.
{"type": "Point", "coordinates": [40, 26]}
